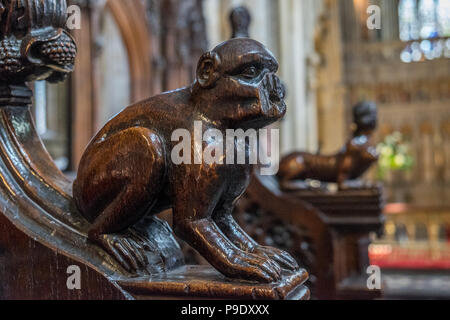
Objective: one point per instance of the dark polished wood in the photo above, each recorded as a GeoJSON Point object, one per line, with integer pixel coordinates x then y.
{"type": "Point", "coordinates": [353, 211]}
{"type": "Point", "coordinates": [31, 270]}
{"type": "Point", "coordinates": [128, 171]}
{"type": "Point", "coordinates": [43, 232]}
{"type": "Point", "coordinates": [352, 215]}
{"type": "Point", "coordinates": [274, 218]}
{"type": "Point", "coordinates": [202, 282]}
{"type": "Point", "coordinates": [327, 232]}
{"type": "Point", "coordinates": [350, 163]}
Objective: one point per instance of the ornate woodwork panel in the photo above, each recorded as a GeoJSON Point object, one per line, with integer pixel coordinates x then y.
{"type": "Point", "coordinates": [278, 220]}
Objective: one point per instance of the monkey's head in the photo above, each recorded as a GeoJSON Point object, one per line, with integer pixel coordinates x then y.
{"type": "Point", "coordinates": [236, 85]}
{"type": "Point", "coordinates": [365, 117]}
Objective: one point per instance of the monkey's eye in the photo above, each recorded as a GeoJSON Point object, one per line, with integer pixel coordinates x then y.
{"type": "Point", "coordinates": [250, 72]}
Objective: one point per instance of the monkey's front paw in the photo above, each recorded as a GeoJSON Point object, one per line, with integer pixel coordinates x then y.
{"type": "Point", "coordinates": [284, 259]}
{"type": "Point", "coordinates": [127, 249]}
{"type": "Point", "coordinates": [249, 266]}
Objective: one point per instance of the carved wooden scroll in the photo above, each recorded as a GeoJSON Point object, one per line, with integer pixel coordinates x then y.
{"type": "Point", "coordinates": [43, 234]}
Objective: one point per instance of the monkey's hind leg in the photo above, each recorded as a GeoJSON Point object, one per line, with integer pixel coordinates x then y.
{"type": "Point", "coordinates": [137, 156]}
{"type": "Point", "coordinates": [113, 232]}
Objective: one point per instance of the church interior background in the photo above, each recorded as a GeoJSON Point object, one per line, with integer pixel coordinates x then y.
{"type": "Point", "coordinates": [329, 60]}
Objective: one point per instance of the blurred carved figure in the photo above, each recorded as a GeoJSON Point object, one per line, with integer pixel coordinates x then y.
{"type": "Point", "coordinates": [351, 162]}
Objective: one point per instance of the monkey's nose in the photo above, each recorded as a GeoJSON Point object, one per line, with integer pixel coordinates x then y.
{"type": "Point", "coordinates": [277, 89]}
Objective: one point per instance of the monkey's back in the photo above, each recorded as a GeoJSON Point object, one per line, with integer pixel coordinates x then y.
{"type": "Point", "coordinates": [127, 155]}
{"type": "Point", "coordinates": [302, 166]}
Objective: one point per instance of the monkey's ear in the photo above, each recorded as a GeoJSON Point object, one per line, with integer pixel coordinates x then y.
{"type": "Point", "coordinates": [208, 70]}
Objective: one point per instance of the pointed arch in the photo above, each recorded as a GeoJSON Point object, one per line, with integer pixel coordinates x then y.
{"type": "Point", "coordinates": [131, 18]}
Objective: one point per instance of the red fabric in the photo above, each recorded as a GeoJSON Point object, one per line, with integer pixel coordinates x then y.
{"type": "Point", "coordinates": [408, 258]}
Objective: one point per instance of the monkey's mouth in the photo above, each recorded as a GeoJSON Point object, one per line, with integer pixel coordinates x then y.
{"type": "Point", "coordinates": [277, 110]}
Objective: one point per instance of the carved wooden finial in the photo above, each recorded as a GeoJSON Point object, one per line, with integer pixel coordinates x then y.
{"type": "Point", "coordinates": [240, 22]}
{"type": "Point", "coordinates": [33, 43]}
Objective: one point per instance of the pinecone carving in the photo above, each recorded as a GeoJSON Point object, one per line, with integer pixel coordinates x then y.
{"type": "Point", "coordinates": [10, 56]}
{"type": "Point", "coordinates": [61, 51]}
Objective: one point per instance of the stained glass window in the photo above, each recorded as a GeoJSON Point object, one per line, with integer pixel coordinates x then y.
{"type": "Point", "coordinates": [428, 19]}
{"type": "Point", "coordinates": [443, 17]}
{"type": "Point", "coordinates": [425, 24]}
{"type": "Point", "coordinates": [409, 25]}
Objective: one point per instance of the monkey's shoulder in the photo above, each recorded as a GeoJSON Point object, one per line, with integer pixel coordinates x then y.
{"type": "Point", "coordinates": [162, 112]}
{"type": "Point", "coordinates": [168, 103]}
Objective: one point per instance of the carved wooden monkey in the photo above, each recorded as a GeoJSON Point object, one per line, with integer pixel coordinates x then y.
{"type": "Point", "coordinates": [126, 172]}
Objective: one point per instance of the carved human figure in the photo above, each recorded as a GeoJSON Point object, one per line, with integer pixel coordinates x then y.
{"type": "Point", "coordinates": [352, 161]}
{"type": "Point", "coordinates": [126, 172]}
